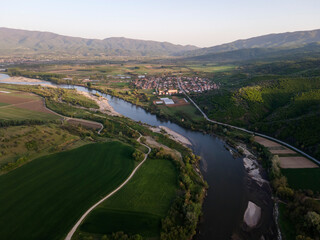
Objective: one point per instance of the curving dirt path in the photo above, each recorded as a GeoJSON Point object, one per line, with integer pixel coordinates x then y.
{"type": "Point", "coordinates": [75, 119]}
{"type": "Point", "coordinates": [74, 228]}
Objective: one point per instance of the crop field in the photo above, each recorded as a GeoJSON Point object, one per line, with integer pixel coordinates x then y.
{"type": "Point", "coordinates": [208, 68]}
{"type": "Point", "coordinates": [16, 105]}
{"type": "Point", "coordinates": [305, 178]}
{"type": "Point", "coordinates": [139, 207]}
{"type": "Point", "coordinates": [287, 227]}
{"type": "Point", "coordinates": [44, 198]}
{"type": "Point", "coordinates": [182, 112]}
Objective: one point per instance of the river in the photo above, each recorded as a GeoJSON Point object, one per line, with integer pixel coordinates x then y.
{"type": "Point", "coordinates": [230, 188]}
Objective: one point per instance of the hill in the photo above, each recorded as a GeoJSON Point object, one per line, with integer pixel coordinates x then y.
{"type": "Point", "coordinates": [280, 98]}
{"type": "Point", "coordinates": [281, 40]}
{"type": "Point", "coordinates": [14, 41]}
{"type": "Point", "coordinates": [310, 50]}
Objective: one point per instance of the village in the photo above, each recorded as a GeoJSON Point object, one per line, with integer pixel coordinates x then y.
{"type": "Point", "coordinates": [175, 85]}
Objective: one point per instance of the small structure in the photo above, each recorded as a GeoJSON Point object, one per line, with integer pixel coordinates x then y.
{"type": "Point", "coordinates": [172, 91]}
{"type": "Point", "coordinates": [167, 101]}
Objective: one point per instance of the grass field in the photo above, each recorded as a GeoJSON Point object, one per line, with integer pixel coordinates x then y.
{"type": "Point", "coordinates": [305, 178]}
{"type": "Point", "coordinates": [139, 207]}
{"type": "Point", "coordinates": [13, 113]}
{"type": "Point", "coordinates": [44, 198]}
{"type": "Point", "coordinates": [286, 226]}
{"type": "Point", "coordinates": [187, 112]}
{"type": "Point", "coordinates": [21, 106]}
{"type": "Point", "coordinates": [210, 68]}
{"type": "Point", "coordinates": [35, 141]}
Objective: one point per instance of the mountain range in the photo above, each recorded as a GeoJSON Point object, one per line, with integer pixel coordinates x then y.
{"type": "Point", "coordinates": [14, 41]}
{"type": "Point", "coordinates": [276, 41]}
{"type": "Point", "coordinates": [18, 42]}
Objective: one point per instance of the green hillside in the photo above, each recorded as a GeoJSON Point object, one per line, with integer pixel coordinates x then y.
{"type": "Point", "coordinates": [281, 99]}
{"type": "Point", "coordinates": [15, 42]}
{"type": "Point", "coordinates": [280, 40]}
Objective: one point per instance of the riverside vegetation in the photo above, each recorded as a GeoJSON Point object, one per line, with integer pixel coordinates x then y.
{"type": "Point", "coordinates": [176, 218]}
{"type": "Point", "coordinates": [299, 206]}
{"type": "Point", "coordinates": [278, 97]}
{"type": "Point", "coordinates": [263, 88]}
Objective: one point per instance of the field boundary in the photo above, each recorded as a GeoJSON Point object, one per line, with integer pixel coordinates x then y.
{"type": "Point", "coordinates": [75, 227]}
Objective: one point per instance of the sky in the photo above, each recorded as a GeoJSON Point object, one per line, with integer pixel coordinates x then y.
{"type": "Point", "coordinates": [202, 23]}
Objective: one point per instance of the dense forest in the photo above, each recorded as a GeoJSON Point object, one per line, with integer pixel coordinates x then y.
{"type": "Point", "coordinates": [280, 99]}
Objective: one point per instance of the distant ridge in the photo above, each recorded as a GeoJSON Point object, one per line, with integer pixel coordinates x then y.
{"type": "Point", "coordinates": [15, 41]}
{"type": "Point", "coordinates": [280, 40]}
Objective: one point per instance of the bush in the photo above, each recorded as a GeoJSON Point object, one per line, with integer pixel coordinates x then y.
{"type": "Point", "coordinates": [138, 156]}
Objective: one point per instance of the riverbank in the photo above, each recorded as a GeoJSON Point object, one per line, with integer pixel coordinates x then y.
{"type": "Point", "coordinates": [223, 206]}
{"type": "Point", "coordinates": [259, 221]}
{"type": "Point", "coordinates": [172, 135]}
{"type": "Point", "coordinates": [23, 80]}
{"type": "Point", "coordinates": [102, 102]}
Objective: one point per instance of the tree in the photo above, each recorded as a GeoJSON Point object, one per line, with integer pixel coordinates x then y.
{"type": "Point", "coordinates": [285, 192]}
{"type": "Point", "coordinates": [143, 139]}
{"type": "Point", "coordinates": [89, 84]}
{"type": "Point", "coordinates": [138, 156]}
{"type": "Point", "coordinates": [313, 222]}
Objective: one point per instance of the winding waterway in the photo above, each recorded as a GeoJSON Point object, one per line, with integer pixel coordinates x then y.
{"type": "Point", "coordinates": [228, 192]}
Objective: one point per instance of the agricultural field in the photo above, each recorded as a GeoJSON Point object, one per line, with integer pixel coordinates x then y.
{"type": "Point", "coordinates": [210, 68]}
{"type": "Point", "coordinates": [44, 198]}
{"type": "Point", "coordinates": [30, 142]}
{"type": "Point", "coordinates": [286, 226]}
{"type": "Point", "coordinates": [186, 112]}
{"type": "Point", "coordinates": [305, 178]}
{"type": "Point", "coordinates": [139, 207]}
{"type": "Point", "coordinates": [16, 105]}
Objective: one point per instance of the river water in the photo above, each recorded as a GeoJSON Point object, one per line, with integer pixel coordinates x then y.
{"type": "Point", "coordinates": [229, 186]}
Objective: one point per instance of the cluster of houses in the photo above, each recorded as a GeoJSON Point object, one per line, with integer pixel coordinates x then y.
{"type": "Point", "coordinates": [197, 84]}
{"type": "Point", "coordinates": [171, 85]}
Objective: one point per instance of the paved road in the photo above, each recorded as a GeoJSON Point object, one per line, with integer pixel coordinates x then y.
{"type": "Point", "coordinates": [74, 228]}
{"type": "Point", "coordinates": [248, 131]}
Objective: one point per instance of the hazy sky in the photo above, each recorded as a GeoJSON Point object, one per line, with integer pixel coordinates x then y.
{"type": "Point", "coordinates": [199, 22]}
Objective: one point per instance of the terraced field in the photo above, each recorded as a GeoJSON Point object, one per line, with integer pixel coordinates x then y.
{"type": "Point", "coordinates": [139, 207]}
{"type": "Point", "coordinates": [44, 198]}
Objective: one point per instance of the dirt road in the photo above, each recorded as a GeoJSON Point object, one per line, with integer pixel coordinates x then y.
{"type": "Point", "coordinates": [75, 227]}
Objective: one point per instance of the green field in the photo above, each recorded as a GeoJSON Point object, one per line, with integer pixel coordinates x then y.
{"type": "Point", "coordinates": [139, 207]}
{"type": "Point", "coordinates": [305, 178]}
{"type": "Point", "coordinates": [186, 112]}
{"type": "Point", "coordinates": [14, 113]}
{"type": "Point", "coordinates": [286, 226]}
{"type": "Point", "coordinates": [44, 198]}
{"type": "Point", "coordinates": [210, 68]}
{"type": "Point", "coordinates": [3, 104]}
